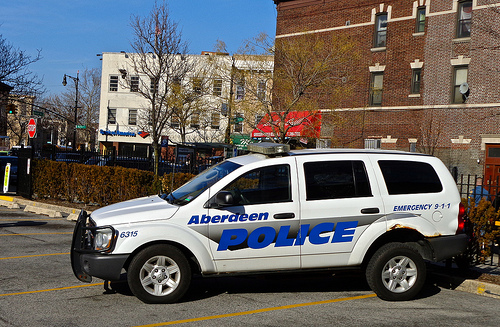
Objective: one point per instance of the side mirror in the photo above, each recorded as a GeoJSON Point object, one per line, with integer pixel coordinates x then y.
{"type": "Point", "coordinates": [224, 199]}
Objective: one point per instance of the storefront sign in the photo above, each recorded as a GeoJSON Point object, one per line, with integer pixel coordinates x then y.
{"type": "Point", "coordinates": [116, 133]}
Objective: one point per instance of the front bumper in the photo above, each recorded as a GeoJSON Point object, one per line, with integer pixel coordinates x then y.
{"type": "Point", "coordinates": [87, 262]}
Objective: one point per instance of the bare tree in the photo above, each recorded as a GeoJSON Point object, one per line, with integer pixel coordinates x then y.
{"type": "Point", "coordinates": [62, 106]}
{"type": "Point", "coordinates": [160, 58]}
{"type": "Point", "coordinates": [14, 69]}
{"type": "Point", "coordinates": [309, 74]}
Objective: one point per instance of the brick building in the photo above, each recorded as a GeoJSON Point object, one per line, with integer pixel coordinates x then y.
{"type": "Point", "coordinates": [428, 78]}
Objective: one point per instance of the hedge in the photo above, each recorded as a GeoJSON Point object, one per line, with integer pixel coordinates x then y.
{"type": "Point", "coordinates": [98, 185]}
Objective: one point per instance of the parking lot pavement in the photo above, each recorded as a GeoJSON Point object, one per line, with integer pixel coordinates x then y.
{"type": "Point", "coordinates": [450, 278]}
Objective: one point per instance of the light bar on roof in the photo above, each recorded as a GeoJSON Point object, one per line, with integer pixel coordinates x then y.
{"type": "Point", "coordinates": [268, 148]}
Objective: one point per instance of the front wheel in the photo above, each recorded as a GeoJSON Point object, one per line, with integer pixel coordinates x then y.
{"type": "Point", "coordinates": [396, 272]}
{"type": "Point", "coordinates": [159, 274]}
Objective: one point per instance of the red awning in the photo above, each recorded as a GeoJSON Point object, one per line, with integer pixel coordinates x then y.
{"type": "Point", "coordinates": [297, 124]}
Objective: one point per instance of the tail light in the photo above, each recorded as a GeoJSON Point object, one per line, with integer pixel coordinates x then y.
{"type": "Point", "coordinates": [461, 221]}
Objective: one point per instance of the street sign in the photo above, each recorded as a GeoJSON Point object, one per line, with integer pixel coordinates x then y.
{"type": "Point", "coordinates": [32, 128]}
{"type": "Point", "coordinates": [38, 113]}
{"type": "Point", "coordinates": [81, 126]}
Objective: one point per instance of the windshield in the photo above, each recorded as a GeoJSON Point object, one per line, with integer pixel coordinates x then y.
{"type": "Point", "coordinates": [200, 183]}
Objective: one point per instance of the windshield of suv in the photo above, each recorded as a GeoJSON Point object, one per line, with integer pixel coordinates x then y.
{"type": "Point", "coordinates": [189, 191]}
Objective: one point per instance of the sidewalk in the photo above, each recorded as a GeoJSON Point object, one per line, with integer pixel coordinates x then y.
{"type": "Point", "coordinates": [482, 279]}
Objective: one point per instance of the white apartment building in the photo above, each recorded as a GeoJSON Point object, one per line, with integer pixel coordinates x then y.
{"type": "Point", "coordinates": [122, 108]}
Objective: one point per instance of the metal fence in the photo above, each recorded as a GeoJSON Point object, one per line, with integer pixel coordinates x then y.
{"type": "Point", "coordinates": [474, 188]}
{"type": "Point", "coordinates": [167, 164]}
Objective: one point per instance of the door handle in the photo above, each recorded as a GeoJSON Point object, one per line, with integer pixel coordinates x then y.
{"type": "Point", "coordinates": [370, 210]}
{"type": "Point", "coordinates": [287, 215]}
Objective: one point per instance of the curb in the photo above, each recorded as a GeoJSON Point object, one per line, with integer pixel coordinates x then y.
{"type": "Point", "coordinates": [467, 285]}
{"type": "Point", "coordinates": [51, 210]}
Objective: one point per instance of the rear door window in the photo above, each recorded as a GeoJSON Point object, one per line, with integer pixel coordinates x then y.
{"type": "Point", "coordinates": [336, 179]}
{"type": "Point", "coordinates": [409, 177]}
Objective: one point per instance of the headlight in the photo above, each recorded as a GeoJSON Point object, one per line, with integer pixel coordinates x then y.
{"type": "Point", "coordinates": [103, 239]}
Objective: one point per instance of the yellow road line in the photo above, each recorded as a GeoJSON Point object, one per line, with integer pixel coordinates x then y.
{"type": "Point", "coordinates": [243, 313]}
{"type": "Point", "coordinates": [34, 255]}
{"type": "Point", "coordinates": [29, 234]}
{"type": "Point", "coordinates": [52, 289]}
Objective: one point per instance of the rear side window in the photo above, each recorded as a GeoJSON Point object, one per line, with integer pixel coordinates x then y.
{"type": "Point", "coordinates": [409, 177]}
{"type": "Point", "coordinates": [336, 179]}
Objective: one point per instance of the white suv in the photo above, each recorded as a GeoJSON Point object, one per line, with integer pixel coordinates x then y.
{"type": "Point", "coordinates": [281, 210]}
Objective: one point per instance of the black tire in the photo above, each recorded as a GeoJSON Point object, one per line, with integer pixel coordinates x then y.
{"type": "Point", "coordinates": [396, 272]}
{"type": "Point", "coordinates": [159, 274]}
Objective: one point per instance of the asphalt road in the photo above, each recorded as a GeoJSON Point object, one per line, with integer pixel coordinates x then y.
{"type": "Point", "coordinates": [37, 288]}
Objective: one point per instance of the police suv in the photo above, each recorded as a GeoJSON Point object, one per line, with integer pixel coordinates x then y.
{"type": "Point", "coordinates": [280, 210]}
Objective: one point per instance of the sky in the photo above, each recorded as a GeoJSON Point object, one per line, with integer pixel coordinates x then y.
{"type": "Point", "coordinates": [70, 33]}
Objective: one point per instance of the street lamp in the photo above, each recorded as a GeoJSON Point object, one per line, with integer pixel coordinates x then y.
{"type": "Point", "coordinates": [64, 82]}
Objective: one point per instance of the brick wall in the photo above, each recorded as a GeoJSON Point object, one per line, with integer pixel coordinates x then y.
{"type": "Point", "coordinates": [457, 127]}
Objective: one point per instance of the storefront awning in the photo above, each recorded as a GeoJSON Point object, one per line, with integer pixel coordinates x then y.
{"type": "Point", "coordinates": [297, 124]}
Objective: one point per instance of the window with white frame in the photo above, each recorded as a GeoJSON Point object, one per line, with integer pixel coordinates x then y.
{"type": "Point", "coordinates": [373, 143]}
{"type": "Point", "coordinates": [261, 90]}
{"type": "Point", "coordinates": [420, 27]}
{"type": "Point", "coordinates": [113, 83]}
{"type": "Point", "coordinates": [217, 87]}
{"type": "Point", "coordinates": [416, 75]}
{"type": "Point", "coordinates": [380, 37]}
{"type": "Point", "coordinates": [134, 84]}
{"type": "Point", "coordinates": [153, 88]}
{"type": "Point", "coordinates": [195, 119]}
{"type": "Point", "coordinates": [111, 116]}
{"type": "Point", "coordinates": [215, 120]}
{"type": "Point", "coordinates": [376, 88]}
{"type": "Point", "coordinates": [240, 90]}
{"type": "Point", "coordinates": [464, 17]}
{"type": "Point", "coordinates": [132, 116]}
{"type": "Point", "coordinates": [460, 77]}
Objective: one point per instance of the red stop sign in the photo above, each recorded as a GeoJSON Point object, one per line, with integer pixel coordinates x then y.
{"type": "Point", "coordinates": [32, 128]}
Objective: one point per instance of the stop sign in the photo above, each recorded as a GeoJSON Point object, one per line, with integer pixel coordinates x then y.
{"type": "Point", "coordinates": [32, 128]}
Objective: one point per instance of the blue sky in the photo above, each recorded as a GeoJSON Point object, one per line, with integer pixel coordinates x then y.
{"type": "Point", "coordinates": [71, 32]}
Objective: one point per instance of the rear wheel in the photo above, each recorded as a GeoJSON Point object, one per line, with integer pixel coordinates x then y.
{"type": "Point", "coordinates": [159, 274]}
{"type": "Point", "coordinates": [396, 272]}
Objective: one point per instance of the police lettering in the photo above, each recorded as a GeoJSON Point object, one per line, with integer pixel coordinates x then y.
{"type": "Point", "coordinates": [227, 218]}
{"type": "Point", "coordinates": [264, 236]}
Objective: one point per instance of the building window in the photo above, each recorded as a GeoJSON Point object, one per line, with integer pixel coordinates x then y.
{"type": "Point", "coordinates": [113, 83]}
{"type": "Point", "coordinates": [380, 31]}
{"type": "Point", "coordinates": [238, 123]}
{"type": "Point", "coordinates": [464, 19]}
{"type": "Point", "coordinates": [132, 117]}
{"type": "Point", "coordinates": [197, 85]}
{"type": "Point", "coordinates": [460, 77]}
{"type": "Point", "coordinates": [261, 90]}
{"type": "Point", "coordinates": [175, 120]}
{"type": "Point", "coordinates": [153, 88]}
{"type": "Point", "coordinates": [420, 20]}
{"type": "Point", "coordinates": [373, 143]}
{"type": "Point", "coordinates": [215, 120]}
{"type": "Point", "coordinates": [111, 116]}
{"type": "Point", "coordinates": [416, 76]}
{"type": "Point", "coordinates": [134, 84]}
{"type": "Point", "coordinates": [195, 119]}
{"type": "Point", "coordinates": [413, 147]}
{"type": "Point", "coordinates": [376, 84]}
{"type": "Point", "coordinates": [217, 87]}
{"type": "Point", "coordinates": [240, 90]}
{"type": "Point", "coordinates": [258, 119]}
